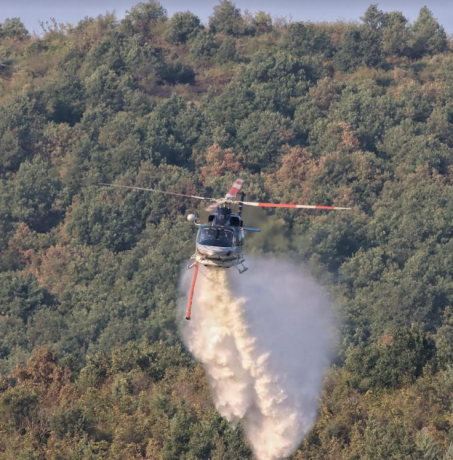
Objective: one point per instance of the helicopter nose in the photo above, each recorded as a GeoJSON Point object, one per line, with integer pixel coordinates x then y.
{"type": "Point", "coordinates": [213, 251]}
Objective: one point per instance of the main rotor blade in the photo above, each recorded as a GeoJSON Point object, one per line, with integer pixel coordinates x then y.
{"type": "Point", "coordinates": [298, 206]}
{"type": "Point", "coordinates": [213, 206]}
{"type": "Point", "coordinates": [234, 189]}
{"type": "Point", "coordinates": [159, 191]}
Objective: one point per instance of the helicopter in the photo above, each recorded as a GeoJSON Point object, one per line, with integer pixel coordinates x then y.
{"type": "Point", "coordinates": [220, 241]}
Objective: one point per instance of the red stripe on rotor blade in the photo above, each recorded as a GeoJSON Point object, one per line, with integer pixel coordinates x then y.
{"type": "Point", "coordinates": [271, 205]}
{"type": "Point", "coordinates": [235, 188]}
{"type": "Point", "coordinates": [298, 206]}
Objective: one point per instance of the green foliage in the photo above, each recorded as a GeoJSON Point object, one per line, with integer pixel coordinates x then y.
{"type": "Point", "coordinates": [36, 194]}
{"type": "Point", "coordinates": [227, 51]}
{"type": "Point", "coordinates": [393, 441]}
{"type": "Point", "coordinates": [306, 39]}
{"type": "Point", "coordinates": [227, 18]}
{"type": "Point", "coordinates": [272, 82]}
{"type": "Point", "coordinates": [104, 88]}
{"type": "Point", "coordinates": [13, 28]}
{"type": "Point", "coordinates": [444, 340]}
{"type": "Point", "coordinates": [427, 446]}
{"type": "Point", "coordinates": [144, 17]}
{"type": "Point", "coordinates": [182, 26]}
{"type": "Point", "coordinates": [262, 22]}
{"type": "Point", "coordinates": [353, 115]}
{"type": "Point", "coordinates": [375, 18]}
{"type": "Point", "coordinates": [429, 35]}
{"type": "Point", "coordinates": [396, 35]}
{"type": "Point", "coordinates": [19, 404]}
{"type": "Point", "coordinates": [261, 136]}
{"type": "Point", "coordinates": [20, 295]}
{"type": "Point", "coordinates": [449, 453]}
{"type": "Point", "coordinates": [391, 29]}
{"type": "Point", "coordinates": [399, 359]}
{"type": "Point", "coordinates": [359, 47]}
{"type": "Point", "coordinates": [105, 222]}
{"type": "Point", "coordinates": [177, 443]}
{"type": "Point", "coordinates": [21, 123]}
{"type": "Point", "coordinates": [204, 45]}
{"type": "Point", "coordinates": [69, 423]}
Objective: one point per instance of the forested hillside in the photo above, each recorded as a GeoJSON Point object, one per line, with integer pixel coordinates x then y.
{"type": "Point", "coordinates": [348, 114]}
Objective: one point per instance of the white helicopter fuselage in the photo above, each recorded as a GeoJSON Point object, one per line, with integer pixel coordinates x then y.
{"type": "Point", "coordinates": [215, 256]}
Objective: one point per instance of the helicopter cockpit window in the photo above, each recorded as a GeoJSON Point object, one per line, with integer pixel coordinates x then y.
{"type": "Point", "coordinates": [222, 237]}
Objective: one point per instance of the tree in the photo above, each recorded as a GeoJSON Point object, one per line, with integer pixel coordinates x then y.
{"type": "Point", "coordinates": [427, 446]}
{"type": "Point", "coordinates": [262, 22]}
{"type": "Point", "coordinates": [173, 130]}
{"type": "Point", "coordinates": [36, 191]}
{"type": "Point", "coordinates": [366, 113]}
{"type": "Point", "coordinates": [375, 18]}
{"type": "Point", "coordinates": [392, 441]}
{"type": "Point", "coordinates": [70, 423]}
{"type": "Point", "coordinates": [182, 26]}
{"type": "Point", "coordinates": [261, 135]}
{"type": "Point", "coordinates": [105, 88]}
{"type": "Point", "coordinates": [306, 38]}
{"type": "Point", "coordinates": [143, 17]}
{"type": "Point", "coordinates": [398, 359]}
{"type": "Point", "coordinates": [403, 359]}
{"type": "Point", "coordinates": [390, 28]}
{"type": "Point", "coordinates": [204, 45]}
{"type": "Point", "coordinates": [396, 35]}
{"type": "Point", "coordinates": [21, 123]}
{"type": "Point", "coordinates": [19, 404]}
{"type": "Point", "coordinates": [444, 340]}
{"type": "Point", "coordinates": [227, 51]}
{"type": "Point", "coordinates": [21, 296]}
{"type": "Point", "coordinates": [115, 224]}
{"type": "Point", "coordinates": [449, 453]}
{"type": "Point", "coordinates": [227, 19]}
{"type": "Point", "coordinates": [6, 219]}
{"type": "Point", "coordinates": [429, 35]}
{"type": "Point", "coordinates": [359, 46]}
{"type": "Point", "coordinates": [13, 28]}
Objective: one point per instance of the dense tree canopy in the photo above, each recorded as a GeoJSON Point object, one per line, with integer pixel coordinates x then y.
{"type": "Point", "coordinates": [351, 114]}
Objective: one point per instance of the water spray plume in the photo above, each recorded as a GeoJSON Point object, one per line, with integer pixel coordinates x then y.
{"type": "Point", "coordinates": [264, 339]}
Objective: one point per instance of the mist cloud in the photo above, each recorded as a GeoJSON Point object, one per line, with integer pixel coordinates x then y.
{"type": "Point", "coordinates": [264, 338]}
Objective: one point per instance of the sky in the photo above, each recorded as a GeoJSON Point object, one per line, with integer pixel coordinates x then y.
{"type": "Point", "coordinates": [32, 12]}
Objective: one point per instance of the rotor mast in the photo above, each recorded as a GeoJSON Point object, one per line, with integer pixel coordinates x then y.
{"type": "Point", "coordinates": [241, 204]}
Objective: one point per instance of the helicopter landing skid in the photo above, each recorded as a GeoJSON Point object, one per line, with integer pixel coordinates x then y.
{"type": "Point", "coordinates": [191, 265]}
{"type": "Point", "coordinates": [244, 268]}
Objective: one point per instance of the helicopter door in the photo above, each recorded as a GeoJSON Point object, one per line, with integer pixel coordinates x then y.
{"type": "Point", "coordinates": [239, 237]}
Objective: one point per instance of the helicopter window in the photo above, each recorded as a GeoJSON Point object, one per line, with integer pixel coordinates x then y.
{"type": "Point", "coordinates": [216, 237]}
